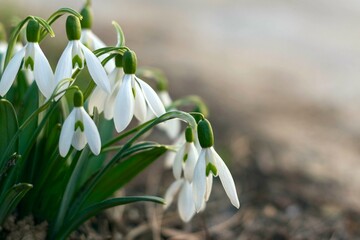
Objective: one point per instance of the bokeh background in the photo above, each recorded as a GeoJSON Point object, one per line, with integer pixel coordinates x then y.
{"type": "Point", "coordinates": [282, 82]}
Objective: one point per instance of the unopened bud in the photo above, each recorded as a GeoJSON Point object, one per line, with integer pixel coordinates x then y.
{"type": "Point", "coordinates": [129, 62]}
{"type": "Point", "coordinates": [205, 134]}
{"type": "Point", "coordinates": [33, 31]}
{"type": "Point", "coordinates": [73, 28]}
{"type": "Point", "coordinates": [78, 99]}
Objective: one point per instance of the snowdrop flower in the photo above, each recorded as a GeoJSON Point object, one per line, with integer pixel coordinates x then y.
{"type": "Point", "coordinates": [90, 40]}
{"type": "Point", "coordinates": [210, 164]}
{"type": "Point", "coordinates": [135, 96]}
{"type": "Point", "coordinates": [75, 55]}
{"type": "Point", "coordinates": [104, 101]}
{"type": "Point", "coordinates": [79, 129]}
{"type": "Point", "coordinates": [34, 60]}
{"type": "Point", "coordinates": [186, 205]}
{"type": "Point", "coordinates": [186, 157]}
{"type": "Point", "coordinates": [170, 155]}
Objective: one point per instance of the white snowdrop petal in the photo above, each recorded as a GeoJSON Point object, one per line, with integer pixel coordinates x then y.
{"type": "Point", "coordinates": [152, 98]}
{"type": "Point", "coordinates": [169, 159]}
{"type": "Point", "coordinates": [64, 67]}
{"type": "Point", "coordinates": [190, 162]}
{"type": "Point", "coordinates": [209, 183]}
{"type": "Point", "coordinates": [178, 162]}
{"type": "Point", "coordinates": [79, 140]}
{"type": "Point", "coordinates": [199, 181]}
{"type": "Point", "coordinates": [96, 70]}
{"type": "Point", "coordinates": [43, 73]}
{"type": "Point", "coordinates": [91, 132]}
{"type": "Point", "coordinates": [171, 192]}
{"type": "Point", "coordinates": [67, 133]}
{"type": "Point", "coordinates": [226, 179]}
{"type": "Point", "coordinates": [97, 43]}
{"type": "Point", "coordinates": [11, 71]}
{"type": "Point", "coordinates": [97, 99]}
{"type": "Point", "coordinates": [186, 205]}
{"type": "Point", "coordinates": [124, 105]}
{"type": "Point", "coordinates": [140, 104]}
{"type": "Point", "coordinates": [110, 102]}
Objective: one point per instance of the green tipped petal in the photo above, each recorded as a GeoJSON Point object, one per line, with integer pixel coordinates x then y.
{"type": "Point", "coordinates": [33, 31]}
{"type": "Point", "coordinates": [129, 62]}
{"type": "Point", "coordinates": [205, 134]}
{"type": "Point", "coordinates": [73, 28]}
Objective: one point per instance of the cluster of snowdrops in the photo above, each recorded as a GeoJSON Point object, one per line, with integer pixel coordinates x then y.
{"type": "Point", "coordinates": [54, 124]}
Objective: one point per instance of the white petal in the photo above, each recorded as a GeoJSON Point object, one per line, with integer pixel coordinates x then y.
{"type": "Point", "coordinates": [79, 140]}
{"type": "Point", "coordinates": [10, 72]}
{"type": "Point", "coordinates": [67, 133]}
{"type": "Point", "coordinates": [29, 75]}
{"type": "Point", "coordinates": [97, 43]}
{"type": "Point", "coordinates": [171, 192]}
{"type": "Point", "coordinates": [199, 181]}
{"type": "Point", "coordinates": [97, 99]}
{"type": "Point", "coordinates": [124, 105]}
{"type": "Point", "coordinates": [178, 162]}
{"type": "Point", "coordinates": [152, 98]}
{"type": "Point", "coordinates": [64, 66]}
{"type": "Point", "coordinates": [43, 73]}
{"type": "Point", "coordinates": [91, 132]}
{"type": "Point", "coordinates": [169, 159]}
{"type": "Point", "coordinates": [86, 39]}
{"type": "Point", "coordinates": [140, 104]}
{"type": "Point", "coordinates": [115, 78]}
{"type": "Point", "coordinates": [96, 70]}
{"type": "Point", "coordinates": [226, 179]}
{"type": "Point", "coordinates": [185, 202]}
{"type": "Point", "coordinates": [209, 183]}
{"type": "Point", "coordinates": [190, 162]}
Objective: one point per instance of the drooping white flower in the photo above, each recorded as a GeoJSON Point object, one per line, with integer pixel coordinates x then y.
{"type": "Point", "coordinates": [186, 157]}
{"type": "Point", "coordinates": [135, 97]}
{"type": "Point", "coordinates": [186, 205]}
{"type": "Point", "coordinates": [79, 129]}
{"type": "Point", "coordinates": [90, 40]}
{"type": "Point", "coordinates": [34, 60]}
{"type": "Point", "coordinates": [103, 101]}
{"type": "Point", "coordinates": [75, 55]}
{"type": "Point", "coordinates": [208, 165]}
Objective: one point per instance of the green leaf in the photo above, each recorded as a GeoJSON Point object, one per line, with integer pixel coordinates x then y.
{"type": "Point", "coordinates": [122, 173]}
{"type": "Point", "coordinates": [12, 198]}
{"type": "Point", "coordinates": [8, 128]}
{"type": "Point", "coordinates": [98, 207]}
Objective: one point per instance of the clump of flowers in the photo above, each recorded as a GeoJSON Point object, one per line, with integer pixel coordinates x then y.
{"type": "Point", "coordinates": [56, 136]}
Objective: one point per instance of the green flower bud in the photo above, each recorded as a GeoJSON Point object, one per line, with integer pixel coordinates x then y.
{"type": "Point", "coordinates": [189, 136]}
{"type": "Point", "coordinates": [87, 14]}
{"type": "Point", "coordinates": [2, 33]}
{"type": "Point", "coordinates": [78, 99]}
{"type": "Point", "coordinates": [73, 28]}
{"type": "Point", "coordinates": [119, 61]}
{"type": "Point", "coordinates": [205, 134]}
{"type": "Point", "coordinates": [129, 62]}
{"type": "Point", "coordinates": [33, 31]}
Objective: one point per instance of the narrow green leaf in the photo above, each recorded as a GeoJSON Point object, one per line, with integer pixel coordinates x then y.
{"type": "Point", "coordinates": [12, 198]}
{"type": "Point", "coordinates": [8, 128]}
{"type": "Point", "coordinates": [97, 208]}
{"type": "Point", "coordinates": [126, 170]}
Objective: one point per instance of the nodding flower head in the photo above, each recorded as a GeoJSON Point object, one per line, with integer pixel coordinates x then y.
{"type": "Point", "coordinates": [135, 97]}
{"type": "Point", "coordinates": [79, 129]}
{"type": "Point", "coordinates": [76, 55]}
{"type": "Point", "coordinates": [208, 165]}
{"type": "Point", "coordinates": [34, 60]}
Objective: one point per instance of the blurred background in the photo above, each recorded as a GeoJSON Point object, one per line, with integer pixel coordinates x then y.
{"type": "Point", "coordinates": [282, 81]}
